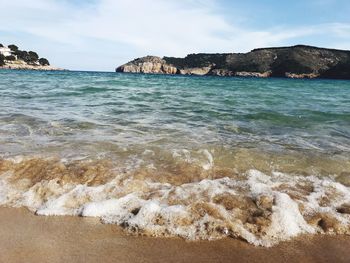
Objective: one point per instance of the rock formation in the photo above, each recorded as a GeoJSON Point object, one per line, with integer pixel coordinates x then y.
{"type": "Point", "coordinates": [289, 62]}
{"type": "Point", "coordinates": [149, 64]}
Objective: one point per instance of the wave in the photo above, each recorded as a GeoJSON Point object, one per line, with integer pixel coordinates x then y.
{"type": "Point", "coordinates": [261, 208]}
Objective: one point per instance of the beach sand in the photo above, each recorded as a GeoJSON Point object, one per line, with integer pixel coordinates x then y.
{"type": "Point", "coordinates": [25, 237]}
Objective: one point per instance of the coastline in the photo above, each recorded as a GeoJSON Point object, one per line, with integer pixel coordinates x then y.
{"type": "Point", "coordinates": [19, 66]}
{"type": "Point", "coordinates": [25, 237]}
{"type": "Point", "coordinates": [295, 62]}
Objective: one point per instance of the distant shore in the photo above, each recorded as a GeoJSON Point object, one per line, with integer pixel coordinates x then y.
{"type": "Point", "coordinates": [295, 62]}
{"type": "Point", "coordinates": [11, 57]}
{"type": "Point", "coordinates": [25, 237]}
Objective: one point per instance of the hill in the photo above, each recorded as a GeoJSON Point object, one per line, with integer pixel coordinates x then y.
{"type": "Point", "coordinates": [11, 57]}
{"type": "Point", "coordinates": [290, 62]}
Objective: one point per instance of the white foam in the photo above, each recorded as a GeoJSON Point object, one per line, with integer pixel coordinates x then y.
{"type": "Point", "coordinates": [161, 209]}
{"type": "Point", "coordinates": [210, 160]}
{"type": "Point", "coordinates": [287, 220]}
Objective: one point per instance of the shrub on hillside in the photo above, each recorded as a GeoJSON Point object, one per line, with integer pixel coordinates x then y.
{"type": "Point", "coordinates": [33, 56]}
{"type": "Point", "coordinates": [29, 57]}
{"type": "Point", "coordinates": [44, 62]}
{"type": "Point", "coordinates": [21, 54]}
{"type": "Point", "coordinates": [10, 58]}
{"type": "Point", "coordinates": [13, 48]}
{"type": "Point", "coordinates": [1, 45]}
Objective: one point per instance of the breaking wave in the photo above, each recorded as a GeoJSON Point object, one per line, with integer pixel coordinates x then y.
{"type": "Point", "coordinates": [261, 208]}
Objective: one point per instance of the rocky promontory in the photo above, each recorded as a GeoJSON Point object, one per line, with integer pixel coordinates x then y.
{"type": "Point", "coordinates": [11, 57]}
{"type": "Point", "coordinates": [290, 62]}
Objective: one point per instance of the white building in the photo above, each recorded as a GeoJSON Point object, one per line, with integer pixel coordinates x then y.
{"type": "Point", "coordinates": [5, 51]}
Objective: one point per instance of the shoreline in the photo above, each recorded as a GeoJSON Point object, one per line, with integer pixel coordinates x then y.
{"type": "Point", "coordinates": [29, 67]}
{"type": "Point", "coordinates": [25, 237]}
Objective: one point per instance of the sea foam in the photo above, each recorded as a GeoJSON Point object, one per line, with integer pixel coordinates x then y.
{"type": "Point", "coordinates": [262, 209]}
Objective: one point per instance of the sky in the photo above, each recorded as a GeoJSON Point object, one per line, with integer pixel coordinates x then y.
{"type": "Point", "coordinates": [103, 34]}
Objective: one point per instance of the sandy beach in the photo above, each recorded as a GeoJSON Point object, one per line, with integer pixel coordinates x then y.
{"type": "Point", "coordinates": [25, 237]}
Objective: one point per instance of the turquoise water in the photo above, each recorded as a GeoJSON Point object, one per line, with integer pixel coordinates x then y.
{"type": "Point", "coordinates": [263, 160]}
{"type": "Point", "coordinates": [56, 111]}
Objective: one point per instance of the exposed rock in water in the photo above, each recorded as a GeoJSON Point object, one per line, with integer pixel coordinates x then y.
{"type": "Point", "coordinates": [149, 64]}
{"type": "Point", "coordinates": [289, 62]}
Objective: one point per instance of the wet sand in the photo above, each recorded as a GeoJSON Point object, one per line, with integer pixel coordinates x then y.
{"type": "Point", "coordinates": [25, 237]}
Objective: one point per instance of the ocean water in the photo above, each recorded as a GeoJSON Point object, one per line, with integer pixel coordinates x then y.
{"type": "Point", "coordinates": [198, 157]}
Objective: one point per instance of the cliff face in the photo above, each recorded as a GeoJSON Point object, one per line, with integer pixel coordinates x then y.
{"type": "Point", "coordinates": [290, 62]}
{"type": "Point", "coordinates": [149, 64]}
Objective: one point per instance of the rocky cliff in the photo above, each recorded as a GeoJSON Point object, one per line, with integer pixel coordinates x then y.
{"type": "Point", "coordinates": [290, 62]}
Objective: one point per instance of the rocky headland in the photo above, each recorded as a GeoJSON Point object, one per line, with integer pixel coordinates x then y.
{"type": "Point", "coordinates": [289, 62]}
{"type": "Point", "coordinates": [12, 57]}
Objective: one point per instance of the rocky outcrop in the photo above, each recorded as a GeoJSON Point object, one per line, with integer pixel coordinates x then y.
{"type": "Point", "coordinates": [12, 57]}
{"type": "Point", "coordinates": [149, 64]}
{"type": "Point", "coordinates": [289, 62]}
{"type": "Point", "coordinates": [20, 65]}
{"type": "Point", "coordinates": [195, 71]}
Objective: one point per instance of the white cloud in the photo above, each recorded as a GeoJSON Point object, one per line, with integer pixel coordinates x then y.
{"type": "Point", "coordinates": [141, 27]}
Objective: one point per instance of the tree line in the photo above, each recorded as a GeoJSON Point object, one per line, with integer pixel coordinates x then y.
{"type": "Point", "coordinates": [29, 57]}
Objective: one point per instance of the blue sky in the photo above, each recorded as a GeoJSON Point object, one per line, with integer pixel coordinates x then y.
{"type": "Point", "coordinates": [102, 34]}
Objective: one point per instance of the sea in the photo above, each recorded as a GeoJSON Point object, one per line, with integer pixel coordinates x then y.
{"type": "Point", "coordinates": [202, 158]}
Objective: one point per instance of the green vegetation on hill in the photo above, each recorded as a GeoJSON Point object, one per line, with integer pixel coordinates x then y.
{"type": "Point", "coordinates": [44, 62]}
{"type": "Point", "coordinates": [292, 62]}
{"type": "Point", "coordinates": [30, 57]}
{"type": "Point", "coordinates": [197, 60]}
{"type": "Point", "coordinates": [13, 48]}
{"type": "Point", "coordinates": [279, 61]}
{"type": "Point", "coordinates": [10, 58]}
